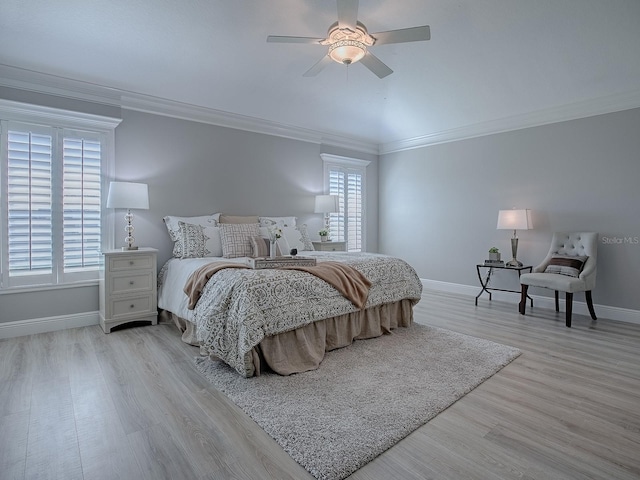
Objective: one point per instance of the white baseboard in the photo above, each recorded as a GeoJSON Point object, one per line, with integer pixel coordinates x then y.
{"type": "Point", "coordinates": [48, 324]}
{"type": "Point", "coordinates": [580, 308]}
{"type": "Point", "coordinates": [51, 324]}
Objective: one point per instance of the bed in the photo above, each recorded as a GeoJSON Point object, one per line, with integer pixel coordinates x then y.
{"type": "Point", "coordinates": [284, 320]}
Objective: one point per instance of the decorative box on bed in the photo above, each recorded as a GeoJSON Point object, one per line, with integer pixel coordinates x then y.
{"type": "Point", "coordinates": [281, 262]}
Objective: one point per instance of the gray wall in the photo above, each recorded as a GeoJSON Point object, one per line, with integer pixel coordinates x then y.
{"type": "Point", "coordinates": [198, 169]}
{"type": "Point", "coordinates": [439, 204]}
{"type": "Point", "coordinates": [193, 169]}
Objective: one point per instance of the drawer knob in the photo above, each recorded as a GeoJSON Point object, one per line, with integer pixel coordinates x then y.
{"type": "Point", "coordinates": [132, 306]}
{"type": "Point", "coordinates": [131, 282]}
{"type": "Point", "coordinates": [131, 262]}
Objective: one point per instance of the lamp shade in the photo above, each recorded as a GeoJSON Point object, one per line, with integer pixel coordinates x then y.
{"type": "Point", "coordinates": [327, 204]}
{"type": "Point", "coordinates": [128, 195]}
{"type": "Point", "coordinates": [514, 220]}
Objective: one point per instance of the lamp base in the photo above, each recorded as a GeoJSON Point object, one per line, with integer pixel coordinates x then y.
{"type": "Point", "coordinates": [124, 249]}
{"type": "Point", "coordinates": [514, 252]}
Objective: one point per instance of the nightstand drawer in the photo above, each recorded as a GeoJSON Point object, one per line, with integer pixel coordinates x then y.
{"type": "Point", "coordinates": [130, 262]}
{"type": "Point", "coordinates": [131, 306]}
{"type": "Point", "coordinates": [140, 282]}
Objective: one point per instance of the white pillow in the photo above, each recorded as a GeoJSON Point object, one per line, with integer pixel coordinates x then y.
{"type": "Point", "coordinates": [298, 238]}
{"type": "Point", "coordinates": [213, 241]}
{"type": "Point", "coordinates": [281, 221]}
{"type": "Point", "coordinates": [173, 228]}
{"type": "Point", "coordinates": [236, 239]}
{"type": "Point", "coordinates": [196, 241]}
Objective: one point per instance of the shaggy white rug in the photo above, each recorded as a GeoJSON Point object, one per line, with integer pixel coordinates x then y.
{"type": "Point", "coordinates": [364, 398]}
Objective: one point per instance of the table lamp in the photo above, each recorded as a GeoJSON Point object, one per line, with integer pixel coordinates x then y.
{"type": "Point", "coordinates": [514, 220]}
{"type": "Point", "coordinates": [130, 196]}
{"type": "Point", "coordinates": [327, 204]}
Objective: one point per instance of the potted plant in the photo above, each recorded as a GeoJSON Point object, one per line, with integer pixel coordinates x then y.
{"type": "Point", "coordinates": [324, 235]}
{"type": "Point", "coordinates": [494, 254]}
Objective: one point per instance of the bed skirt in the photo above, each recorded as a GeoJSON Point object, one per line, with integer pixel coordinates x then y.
{"type": "Point", "coordinates": [303, 349]}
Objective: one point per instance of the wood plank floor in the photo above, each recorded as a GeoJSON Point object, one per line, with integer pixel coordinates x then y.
{"type": "Point", "coordinates": [79, 404]}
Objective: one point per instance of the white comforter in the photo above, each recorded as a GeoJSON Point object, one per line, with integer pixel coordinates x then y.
{"type": "Point", "coordinates": [239, 307]}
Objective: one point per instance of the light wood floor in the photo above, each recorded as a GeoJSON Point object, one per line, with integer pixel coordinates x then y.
{"type": "Point", "coordinates": [79, 404]}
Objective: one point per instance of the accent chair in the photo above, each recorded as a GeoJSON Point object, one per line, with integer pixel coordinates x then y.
{"type": "Point", "coordinates": [570, 267]}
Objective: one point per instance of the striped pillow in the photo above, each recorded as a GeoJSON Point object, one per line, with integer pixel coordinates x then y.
{"type": "Point", "coordinates": [566, 265]}
{"type": "Point", "coordinates": [262, 247]}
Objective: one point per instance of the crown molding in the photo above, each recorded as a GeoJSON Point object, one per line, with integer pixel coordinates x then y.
{"type": "Point", "coordinates": [30, 80]}
{"type": "Point", "coordinates": [27, 112]}
{"type": "Point", "coordinates": [38, 82]}
{"type": "Point", "coordinates": [33, 81]}
{"type": "Point", "coordinates": [170, 108]}
{"type": "Point", "coordinates": [563, 113]}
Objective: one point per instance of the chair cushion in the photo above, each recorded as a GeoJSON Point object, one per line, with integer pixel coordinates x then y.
{"type": "Point", "coordinates": [562, 283]}
{"type": "Point", "coordinates": [570, 265]}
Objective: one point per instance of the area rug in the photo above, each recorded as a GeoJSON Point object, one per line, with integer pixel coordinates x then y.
{"type": "Point", "coordinates": [364, 398]}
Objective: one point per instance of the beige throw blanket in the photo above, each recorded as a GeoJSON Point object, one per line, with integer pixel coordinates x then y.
{"type": "Point", "coordinates": [351, 284]}
{"type": "Point", "coordinates": [347, 280]}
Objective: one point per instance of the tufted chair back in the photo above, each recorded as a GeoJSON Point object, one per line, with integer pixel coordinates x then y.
{"type": "Point", "coordinates": [577, 244]}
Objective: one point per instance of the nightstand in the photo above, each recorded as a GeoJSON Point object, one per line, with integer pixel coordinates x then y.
{"type": "Point", "coordinates": [128, 288]}
{"type": "Point", "coordinates": [330, 246]}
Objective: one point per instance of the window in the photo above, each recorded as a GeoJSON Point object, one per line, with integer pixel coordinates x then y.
{"type": "Point", "coordinates": [345, 177]}
{"type": "Point", "coordinates": [53, 166]}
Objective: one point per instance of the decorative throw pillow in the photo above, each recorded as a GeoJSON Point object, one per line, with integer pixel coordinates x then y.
{"type": "Point", "coordinates": [297, 237]}
{"type": "Point", "coordinates": [173, 228]}
{"type": "Point", "coordinates": [238, 219]}
{"type": "Point", "coordinates": [213, 243]}
{"type": "Point", "coordinates": [282, 221]}
{"type": "Point", "coordinates": [566, 265]}
{"type": "Point", "coordinates": [236, 239]}
{"type": "Point", "coordinates": [196, 241]}
{"type": "Point", "coordinates": [306, 239]}
{"type": "Point", "coordinates": [191, 241]}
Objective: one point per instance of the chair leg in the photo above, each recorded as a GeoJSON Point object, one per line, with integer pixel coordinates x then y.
{"type": "Point", "coordinates": [557, 302]}
{"type": "Point", "coordinates": [523, 299]}
{"type": "Point", "coordinates": [590, 304]}
{"type": "Point", "coordinates": [569, 308]}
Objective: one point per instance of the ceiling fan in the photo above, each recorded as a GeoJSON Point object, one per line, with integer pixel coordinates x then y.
{"type": "Point", "coordinates": [348, 41]}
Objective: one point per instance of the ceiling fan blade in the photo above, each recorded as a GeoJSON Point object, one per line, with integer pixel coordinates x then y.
{"type": "Point", "coordinates": [318, 67]}
{"type": "Point", "coordinates": [413, 34]}
{"type": "Point", "coordinates": [348, 14]}
{"type": "Point", "coordinates": [374, 64]}
{"type": "Point", "coordinates": [283, 39]}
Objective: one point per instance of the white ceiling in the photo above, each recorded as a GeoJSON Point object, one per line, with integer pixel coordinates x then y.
{"type": "Point", "coordinates": [487, 61]}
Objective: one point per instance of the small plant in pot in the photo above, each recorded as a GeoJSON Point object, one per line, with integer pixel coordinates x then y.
{"type": "Point", "coordinates": [494, 254]}
{"type": "Point", "coordinates": [324, 235]}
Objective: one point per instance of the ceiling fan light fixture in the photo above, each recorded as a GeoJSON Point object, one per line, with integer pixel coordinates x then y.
{"type": "Point", "coordinates": [347, 52]}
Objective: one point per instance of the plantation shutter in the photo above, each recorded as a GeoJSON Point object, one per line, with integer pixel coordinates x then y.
{"type": "Point", "coordinates": [52, 191]}
{"type": "Point", "coordinates": [354, 216]}
{"type": "Point", "coordinates": [336, 220]}
{"type": "Point", "coordinates": [347, 225]}
{"type": "Point", "coordinates": [29, 204]}
{"type": "Point", "coordinates": [81, 201]}
{"type": "Point", "coordinates": [53, 166]}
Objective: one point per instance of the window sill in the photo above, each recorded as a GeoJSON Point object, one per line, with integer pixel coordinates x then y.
{"type": "Point", "coordinates": [42, 288]}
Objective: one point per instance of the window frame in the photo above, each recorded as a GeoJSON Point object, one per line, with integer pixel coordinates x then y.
{"type": "Point", "coordinates": [58, 122]}
{"type": "Point", "coordinates": [349, 165]}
